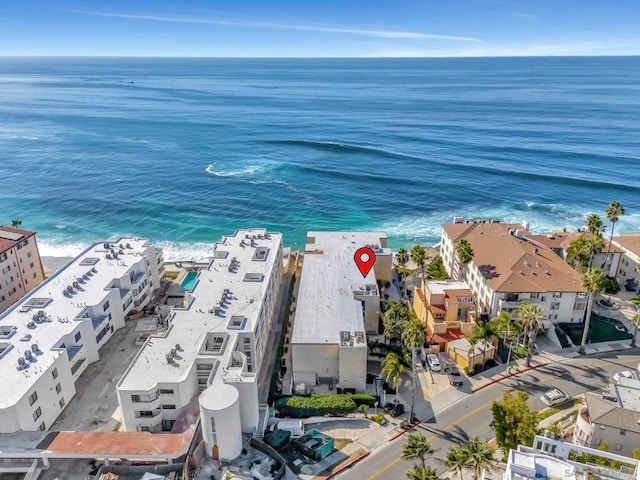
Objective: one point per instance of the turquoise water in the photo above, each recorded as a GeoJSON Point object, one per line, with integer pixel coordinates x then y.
{"type": "Point", "coordinates": [189, 281]}
{"type": "Point", "coordinates": [182, 151]}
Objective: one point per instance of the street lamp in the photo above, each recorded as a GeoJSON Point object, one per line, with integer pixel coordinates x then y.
{"type": "Point", "coordinates": [636, 302]}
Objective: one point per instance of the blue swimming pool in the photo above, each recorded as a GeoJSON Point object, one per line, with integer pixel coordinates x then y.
{"type": "Point", "coordinates": [189, 281]}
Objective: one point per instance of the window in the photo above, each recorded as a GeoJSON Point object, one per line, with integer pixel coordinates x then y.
{"type": "Point", "coordinates": [618, 447]}
{"type": "Point", "coordinates": [31, 265]}
{"type": "Point", "coordinates": [166, 391]}
{"type": "Point", "coordinates": [32, 398]}
{"type": "Point", "coordinates": [77, 336]}
{"type": "Point", "coordinates": [42, 427]}
{"type": "Point", "coordinates": [6, 269]}
{"type": "Point", "coordinates": [61, 402]}
{"type": "Point", "coordinates": [37, 414]}
{"type": "Point", "coordinates": [58, 388]}
{"type": "Point", "coordinates": [557, 294]}
{"type": "Point", "coordinates": [535, 295]}
{"type": "Point", "coordinates": [28, 254]}
{"type": "Point", "coordinates": [105, 307]}
{"type": "Point", "coordinates": [623, 432]}
{"type": "Point", "coordinates": [555, 305]}
{"type": "Point", "coordinates": [3, 257]}
{"type": "Point", "coordinates": [168, 407]}
{"type": "Point", "coordinates": [54, 372]}
{"type": "Point", "coordinates": [146, 413]}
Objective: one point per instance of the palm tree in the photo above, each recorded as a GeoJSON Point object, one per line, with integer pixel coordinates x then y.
{"type": "Point", "coordinates": [416, 446]}
{"type": "Point", "coordinates": [458, 458]}
{"type": "Point", "coordinates": [402, 257]}
{"type": "Point", "coordinates": [577, 254]}
{"type": "Point", "coordinates": [420, 472]}
{"type": "Point", "coordinates": [484, 332]}
{"type": "Point", "coordinates": [530, 316]}
{"type": "Point", "coordinates": [613, 213]}
{"type": "Point", "coordinates": [419, 257]}
{"type": "Point", "coordinates": [392, 369]}
{"type": "Point", "coordinates": [636, 320]}
{"type": "Point", "coordinates": [394, 316]}
{"type": "Point", "coordinates": [16, 222]}
{"type": "Point", "coordinates": [480, 456]}
{"type": "Point", "coordinates": [594, 224]}
{"type": "Point", "coordinates": [413, 336]}
{"type": "Point", "coordinates": [594, 246]}
{"type": "Point", "coordinates": [464, 252]}
{"type": "Point", "coordinates": [510, 328]}
{"type": "Point", "coordinates": [592, 281]}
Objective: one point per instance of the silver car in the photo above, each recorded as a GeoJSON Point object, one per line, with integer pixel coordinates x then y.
{"type": "Point", "coordinates": [434, 363]}
{"type": "Point", "coordinates": [553, 397]}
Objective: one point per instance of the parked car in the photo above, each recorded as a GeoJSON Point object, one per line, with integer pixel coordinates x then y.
{"type": "Point", "coordinates": [620, 375]}
{"type": "Point", "coordinates": [455, 379]}
{"type": "Point", "coordinates": [553, 397]}
{"type": "Point", "coordinates": [434, 363]}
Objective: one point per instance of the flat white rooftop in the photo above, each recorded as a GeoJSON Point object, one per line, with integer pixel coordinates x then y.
{"type": "Point", "coordinates": [543, 465]}
{"type": "Point", "coordinates": [440, 287]}
{"type": "Point", "coordinates": [47, 313]}
{"type": "Point", "coordinates": [629, 396]}
{"type": "Point", "coordinates": [325, 304]}
{"type": "Point", "coordinates": [242, 283]}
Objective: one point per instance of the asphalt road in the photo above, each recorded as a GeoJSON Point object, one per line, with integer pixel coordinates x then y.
{"type": "Point", "coordinates": [470, 416]}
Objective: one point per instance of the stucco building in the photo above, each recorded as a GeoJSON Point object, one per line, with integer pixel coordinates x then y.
{"type": "Point", "coordinates": [629, 244]}
{"type": "Point", "coordinates": [213, 347]}
{"type": "Point", "coordinates": [20, 266]}
{"type": "Point", "coordinates": [509, 267]}
{"type": "Point", "coordinates": [335, 308]}
{"type": "Point", "coordinates": [49, 338]}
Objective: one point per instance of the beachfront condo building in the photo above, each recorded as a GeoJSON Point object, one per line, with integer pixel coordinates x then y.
{"type": "Point", "coordinates": [509, 266]}
{"type": "Point", "coordinates": [628, 274]}
{"type": "Point", "coordinates": [51, 335]}
{"type": "Point", "coordinates": [335, 308]}
{"type": "Point", "coordinates": [20, 266]}
{"type": "Point", "coordinates": [213, 347]}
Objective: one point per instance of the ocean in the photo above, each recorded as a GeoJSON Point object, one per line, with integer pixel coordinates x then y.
{"type": "Point", "coordinates": [182, 151]}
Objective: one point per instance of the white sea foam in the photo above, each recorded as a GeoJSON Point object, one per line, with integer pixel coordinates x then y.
{"type": "Point", "coordinates": [18, 137]}
{"type": "Point", "coordinates": [242, 172]}
{"type": "Point", "coordinates": [173, 251]}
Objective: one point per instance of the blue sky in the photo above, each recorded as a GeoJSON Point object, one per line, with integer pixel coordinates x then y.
{"type": "Point", "coordinates": [320, 28]}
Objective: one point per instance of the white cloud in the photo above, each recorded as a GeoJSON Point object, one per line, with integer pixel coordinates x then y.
{"type": "Point", "coordinates": [285, 26]}
{"type": "Point", "coordinates": [561, 49]}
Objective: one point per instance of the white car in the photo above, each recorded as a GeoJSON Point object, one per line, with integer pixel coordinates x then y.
{"type": "Point", "coordinates": [434, 363]}
{"type": "Point", "coordinates": [620, 375]}
{"type": "Point", "coordinates": [554, 397]}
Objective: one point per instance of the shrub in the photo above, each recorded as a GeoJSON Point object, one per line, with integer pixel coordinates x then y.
{"type": "Point", "coordinates": [362, 399]}
{"type": "Point", "coordinates": [394, 409]}
{"type": "Point", "coordinates": [378, 418]}
{"type": "Point", "coordinates": [611, 285]}
{"type": "Point", "coordinates": [469, 371]}
{"type": "Point", "coordinates": [315, 405]}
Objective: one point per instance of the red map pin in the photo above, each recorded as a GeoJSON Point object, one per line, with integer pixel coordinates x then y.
{"type": "Point", "coordinates": [364, 258]}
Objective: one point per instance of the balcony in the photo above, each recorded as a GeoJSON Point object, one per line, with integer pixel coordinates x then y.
{"type": "Point", "coordinates": [135, 278]}
{"type": "Point", "coordinates": [147, 413]}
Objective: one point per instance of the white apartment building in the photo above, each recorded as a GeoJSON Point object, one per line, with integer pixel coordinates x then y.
{"type": "Point", "coordinates": [336, 306]}
{"type": "Point", "coordinates": [629, 243]}
{"type": "Point", "coordinates": [556, 460]}
{"type": "Point", "coordinates": [20, 266]}
{"type": "Point", "coordinates": [50, 336]}
{"type": "Point", "coordinates": [509, 267]}
{"type": "Point", "coordinates": [214, 344]}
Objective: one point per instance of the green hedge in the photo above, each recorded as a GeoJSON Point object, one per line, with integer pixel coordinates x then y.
{"type": "Point", "coordinates": [362, 399]}
{"type": "Point", "coordinates": [316, 405]}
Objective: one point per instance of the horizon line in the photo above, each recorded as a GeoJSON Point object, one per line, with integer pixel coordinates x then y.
{"type": "Point", "coordinates": [364, 57]}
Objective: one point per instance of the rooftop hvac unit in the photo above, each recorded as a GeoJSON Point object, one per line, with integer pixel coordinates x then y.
{"type": "Point", "coordinates": [93, 269]}
{"type": "Point", "coordinates": [35, 347]}
{"type": "Point", "coordinates": [21, 362]}
{"type": "Point", "coordinates": [108, 256]}
{"type": "Point", "coordinates": [76, 284]}
{"type": "Point", "coordinates": [169, 358]}
{"type": "Point", "coordinates": [178, 347]}
{"type": "Point", "coordinates": [128, 245]}
{"type": "Point", "coordinates": [174, 352]}
{"type": "Point", "coordinates": [27, 354]}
